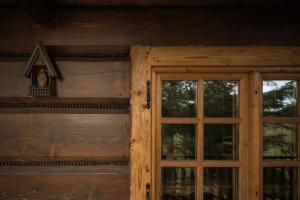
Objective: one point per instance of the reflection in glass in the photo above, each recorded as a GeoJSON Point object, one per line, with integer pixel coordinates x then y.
{"type": "Point", "coordinates": [221, 98]}
{"type": "Point", "coordinates": [179, 98]}
{"type": "Point", "coordinates": [220, 141]}
{"type": "Point", "coordinates": [220, 183]}
{"type": "Point", "coordinates": [178, 142]}
{"type": "Point", "coordinates": [280, 183]}
{"type": "Point", "coordinates": [280, 141]}
{"type": "Point", "coordinates": [177, 183]}
{"type": "Point", "coordinates": [280, 97]}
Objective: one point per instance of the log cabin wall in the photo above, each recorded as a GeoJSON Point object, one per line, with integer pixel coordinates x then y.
{"type": "Point", "coordinates": [77, 144]}
{"type": "Point", "coordinates": [72, 146]}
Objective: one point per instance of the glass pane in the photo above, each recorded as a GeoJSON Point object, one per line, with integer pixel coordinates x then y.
{"type": "Point", "coordinates": [220, 183]}
{"type": "Point", "coordinates": [179, 98]}
{"type": "Point", "coordinates": [280, 183]}
{"type": "Point", "coordinates": [221, 141]}
{"type": "Point", "coordinates": [178, 183]}
{"type": "Point", "coordinates": [178, 142]}
{"type": "Point", "coordinates": [221, 98]}
{"type": "Point", "coordinates": [280, 141]}
{"type": "Point", "coordinates": [280, 97]}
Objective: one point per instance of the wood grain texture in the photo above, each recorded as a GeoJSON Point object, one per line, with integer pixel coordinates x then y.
{"type": "Point", "coordinates": [37, 9]}
{"type": "Point", "coordinates": [190, 3]}
{"type": "Point", "coordinates": [225, 56]}
{"type": "Point", "coordinates": [140, 124]}
{"type": "Point", "coordinates": [153, 27]}
{"type": "Point", "coordinates": [78, 79]}
{"type": "Point", "coordinates": [68, 53]}
{"type": "Point", "coordinates": [227, 70]}
{"type": "Point", "coordinates": [64, 186]}
{"type": "Point", "coordinates": [12, 80]}
{"type": "Point", "coordinates": [106, 169]}
{"type": "Point", "coordinates": [64, 137]}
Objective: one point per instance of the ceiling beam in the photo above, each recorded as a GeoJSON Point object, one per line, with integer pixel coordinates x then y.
{"type": "Point", "coordinates": [38, 10]}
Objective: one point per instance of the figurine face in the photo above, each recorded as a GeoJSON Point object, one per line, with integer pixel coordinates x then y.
{"type": "Point", "coordinates": [42, 78]}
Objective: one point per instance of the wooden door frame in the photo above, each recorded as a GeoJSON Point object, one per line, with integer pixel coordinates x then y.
{"type": "Point", "coordinates": [147, 60]}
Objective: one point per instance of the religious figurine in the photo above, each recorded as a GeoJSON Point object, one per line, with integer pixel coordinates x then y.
{"type": "Point", "coordinates": [42, 78]}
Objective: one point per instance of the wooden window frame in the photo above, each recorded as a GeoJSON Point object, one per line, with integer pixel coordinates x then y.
{"type": "Point", "coordinates": [199, 121]}
{"type": "Point", "coordinates": [147, 61]}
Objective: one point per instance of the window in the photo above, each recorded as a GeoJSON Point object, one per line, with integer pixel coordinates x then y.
{"type": "Point", "coordinates": [201, 136]}
{"type": "Point", "coordinates": [204, 136]}
{"type": "Point", "coordinates": [280, 141]}
{"type": "Point", "coordinates": [213, 131]}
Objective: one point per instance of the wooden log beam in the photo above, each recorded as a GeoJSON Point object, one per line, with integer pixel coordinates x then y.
{"type": "Point", "coordinates": [38, 10]}
{"type": "Point", "coordinates": [85, 27]}
{"type": "Point", "coordinates": [128, 4]}
{"type": "Point", "coordinates": [70, 53]}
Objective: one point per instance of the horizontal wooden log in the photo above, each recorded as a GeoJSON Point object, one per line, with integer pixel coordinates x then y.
{"type": "Point", "coordinates": [77, 79]}
{"type": "Point", "coordinates": [53, 100]}
{"type": "Point", "coordinates": [173, 3]}
{"type": "Point", "coordinates": [48, 137]}
{"type": "Point", "coordinates": [69, 169]}
{"type": "Point", "coordinates": [64, 186]}
{"type": "Point", "coordinates": [229, 69]}
{"type": "Point", "coordinates": [38, 9]}
{"type": "Point", "coordinates": [227, 57]}
{"type": "Point", "coordinates": [153, 27]}
{"type": "Point", "coordinates": [159, 3]}
{"type": "Point", "coordinates": [68, 53]}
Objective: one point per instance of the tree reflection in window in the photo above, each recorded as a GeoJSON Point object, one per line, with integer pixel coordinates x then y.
{"type": "Point", "coordinates": [279, 141]}
{"type": "Point", "coordinates": [221, 98]}
{"type": "Point", "coordinates": [220, 183]}
{"type": "Point", "coordinates": [280, 98]}
{"type": "Point", "coordinates": [280, 183]}
{"type": "Point", "coordinates": [178, 142]}
{"type": "Point", "coordinates": [179, 98]}
{"type": "Point", "coordinates": [221, 141]}
{"type": "Point", "coordinates": [178, 183]}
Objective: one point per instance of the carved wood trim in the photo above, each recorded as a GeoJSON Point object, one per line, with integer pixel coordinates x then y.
{"type": "Point", "coordinates": [62, 163]}
{"type": "Point", "coordinates": [64, 105]}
